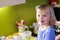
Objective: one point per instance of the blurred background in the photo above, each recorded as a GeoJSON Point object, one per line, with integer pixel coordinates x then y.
{"type": "Point", "coordinates": [11, 13]}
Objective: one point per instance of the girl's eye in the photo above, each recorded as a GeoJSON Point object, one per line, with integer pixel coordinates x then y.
{"type": "Point", "coordinates": [38, 15]}
{"type": "Point", "coordinates": [44, 15]}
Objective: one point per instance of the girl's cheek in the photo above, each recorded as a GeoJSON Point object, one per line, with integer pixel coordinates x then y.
{"type": "Point", "coordinates": [48, 20]}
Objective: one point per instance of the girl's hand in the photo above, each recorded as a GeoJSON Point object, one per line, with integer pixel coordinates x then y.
{"type": "Point", "coordinates": [58, 23]}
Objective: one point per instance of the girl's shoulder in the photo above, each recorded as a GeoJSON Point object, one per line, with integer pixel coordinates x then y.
{"type": "Point", "coordinates": [50, 30]}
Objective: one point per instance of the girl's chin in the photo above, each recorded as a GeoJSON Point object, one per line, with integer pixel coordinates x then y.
{"type": "Point", "coordinates": [42, 24]}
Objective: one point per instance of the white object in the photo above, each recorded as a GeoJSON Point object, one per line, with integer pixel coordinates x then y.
{"type": "Point", "coordinates": [20, 29]}
{"type": "Point", "coordinates": [15, 37]}
{"type": "Point", "coordinates": [25, 35]}
{"type": "Point", "coordinates": [4, 3]}
{"type": "Point", "coordinates": [35, 38]}
{"type": "Point", "coordinates": [9, 39]}
{"type": "Point", "coordinates": [3, 38]}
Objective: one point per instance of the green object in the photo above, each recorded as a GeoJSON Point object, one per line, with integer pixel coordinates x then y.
{"type": "Point", "coordinates": [9, 16]}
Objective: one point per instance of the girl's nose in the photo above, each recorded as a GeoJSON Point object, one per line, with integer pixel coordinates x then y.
{"type": "Point", "coordinates": [41, 17]}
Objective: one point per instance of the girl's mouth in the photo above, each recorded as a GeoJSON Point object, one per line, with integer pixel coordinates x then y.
{"type": "Point", "coordinates": [42, 21]}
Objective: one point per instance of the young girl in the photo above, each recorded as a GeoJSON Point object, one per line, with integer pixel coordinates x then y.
{"type": "Point", "coordinates": [46, 19]}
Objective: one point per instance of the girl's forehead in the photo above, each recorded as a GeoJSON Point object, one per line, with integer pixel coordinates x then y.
{"type": "Point", "coordinates": [43, 11]}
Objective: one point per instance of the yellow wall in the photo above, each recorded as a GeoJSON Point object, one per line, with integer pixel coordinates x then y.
{"type": "Point", "coordinates": [9, 15]}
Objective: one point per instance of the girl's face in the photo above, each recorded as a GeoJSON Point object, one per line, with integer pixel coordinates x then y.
{"type": "Point", "coordinates": [43, 17]}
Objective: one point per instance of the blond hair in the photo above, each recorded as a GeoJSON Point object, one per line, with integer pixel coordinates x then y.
{"type": "Point", "coordinates": [51, 11]}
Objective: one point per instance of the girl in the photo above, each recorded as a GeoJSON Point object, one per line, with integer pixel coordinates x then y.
{"type": "Point", "coordinates": [46, 19]}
